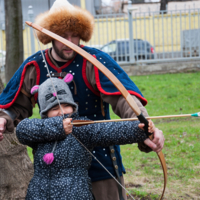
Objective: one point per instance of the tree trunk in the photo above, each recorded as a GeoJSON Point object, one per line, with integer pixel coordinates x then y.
{"type": "Point", "coordinates": [14, 37]}
{"type": "Point", "coordinates": [16, 169]}
{"type": "Point", "coordinates": [1, 85]}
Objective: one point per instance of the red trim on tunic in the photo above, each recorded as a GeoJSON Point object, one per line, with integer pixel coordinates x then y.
{"type": "Point", "coordinates": [22, 80]}
{"type": "Point", "coordinates": [85, 78]}
{"type": "Point", "coordinates": [53, 66]}
{"type": "Point", "coordinates": [144, 101]}
{"type": "Point", "coordinates": [37, 68]}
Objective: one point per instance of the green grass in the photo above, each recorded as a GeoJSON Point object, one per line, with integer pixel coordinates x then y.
{"type": "Point", "coordinates": [168, 94]}
{"type": "Point", "coordinates": [181, 153]}
{"type": "Point", "coordinates": [36, 113]}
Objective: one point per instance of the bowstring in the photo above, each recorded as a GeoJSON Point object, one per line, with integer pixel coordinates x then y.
{"type": "Point", "coordinates": [46, 66]}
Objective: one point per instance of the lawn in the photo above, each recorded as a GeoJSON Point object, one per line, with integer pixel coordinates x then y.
{"type": "Point", "coordinates": [168, 94]}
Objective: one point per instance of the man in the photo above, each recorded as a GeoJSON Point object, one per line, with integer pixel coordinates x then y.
{"type": "Point", "coordinates": [91, 90]}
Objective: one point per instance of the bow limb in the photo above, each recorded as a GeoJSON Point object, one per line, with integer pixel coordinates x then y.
{"type": "Point", "coordinates": [113, 79]}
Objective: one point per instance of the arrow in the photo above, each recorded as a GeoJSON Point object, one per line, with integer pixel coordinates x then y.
{"type": "Point", "coordinates": [82, 122]}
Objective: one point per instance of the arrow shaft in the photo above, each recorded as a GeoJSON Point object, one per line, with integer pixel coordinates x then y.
{"type": "Point", "coordinates": [130, 119]}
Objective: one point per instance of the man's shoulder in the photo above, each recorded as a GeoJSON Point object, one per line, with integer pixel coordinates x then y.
{"type": "Point", "coordinates": [101, 56]}
{"type": "Point", "coordinates": [36, 56]}
{"type": "Point", "coordinates": [93, 51]}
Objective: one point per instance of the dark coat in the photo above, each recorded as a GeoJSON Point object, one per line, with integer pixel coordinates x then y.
{"type": "Point", "coordinates": [67, 177]}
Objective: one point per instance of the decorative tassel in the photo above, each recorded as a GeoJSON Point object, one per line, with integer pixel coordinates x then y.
{"type": "Point", "coordinates": [48, 158]}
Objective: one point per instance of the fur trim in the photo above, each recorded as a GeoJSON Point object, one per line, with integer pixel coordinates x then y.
{"type": "Point", "coordinates": [62, 19]}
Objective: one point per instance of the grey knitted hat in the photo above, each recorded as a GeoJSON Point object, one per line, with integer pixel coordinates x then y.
{"type": "Point", "coordinates": [47, 96]}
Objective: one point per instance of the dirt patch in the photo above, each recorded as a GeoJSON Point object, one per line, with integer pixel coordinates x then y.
{"type": "Point", "coordinates": [140, 198]}
{"type": "Point", "coordinates": [175, 190]}
{"type": "Point", "coordinates": [131, 185]}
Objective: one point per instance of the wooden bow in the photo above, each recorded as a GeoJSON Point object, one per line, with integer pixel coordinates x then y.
{"type": "Point", "coordinates": [112, 78]}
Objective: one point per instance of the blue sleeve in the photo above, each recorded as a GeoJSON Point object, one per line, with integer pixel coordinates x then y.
{"type": "Point", "coordinates": [112, 133]}
{"type": "Point", "coordinates": [31, 131]}
{"type": "Point", "coordinates": [103, 83]}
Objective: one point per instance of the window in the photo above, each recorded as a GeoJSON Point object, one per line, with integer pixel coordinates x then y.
{"type": "Point", "coordinates": [109, 48]}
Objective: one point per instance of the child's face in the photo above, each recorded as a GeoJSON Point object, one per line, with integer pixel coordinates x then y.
{"type": "Point", "coordinates": [56, 110]}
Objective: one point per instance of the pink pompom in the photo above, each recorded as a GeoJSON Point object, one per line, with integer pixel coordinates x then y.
{"type": "Point", "coordinates": [48, 158]}
{"type": "Point", "coordinates": [34, 89]}
{"type": "Point", "coordinates": [68, 78]}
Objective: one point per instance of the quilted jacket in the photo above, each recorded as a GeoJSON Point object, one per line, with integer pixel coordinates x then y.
{"type": "Point", "coordinates": [67, 177]}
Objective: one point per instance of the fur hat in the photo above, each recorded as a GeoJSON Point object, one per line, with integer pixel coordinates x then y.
{"type": "Point", "coordinates": [64, 17]}
{"type": "Point", "coordinates": [47, 96]}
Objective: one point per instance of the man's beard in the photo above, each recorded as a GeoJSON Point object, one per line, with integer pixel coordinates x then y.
{"type": "Point", "coordinates": [62, 55]}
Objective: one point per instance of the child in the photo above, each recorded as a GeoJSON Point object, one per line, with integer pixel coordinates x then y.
{"type": "Point", "coordinates": [61, 163]}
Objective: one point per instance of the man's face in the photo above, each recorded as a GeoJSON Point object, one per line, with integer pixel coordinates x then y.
{"type": "Point", "coordinates": [60, 52]}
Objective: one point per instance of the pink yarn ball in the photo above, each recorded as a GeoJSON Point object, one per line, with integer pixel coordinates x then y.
{"type": "Point", "coordinates": [48, 158]}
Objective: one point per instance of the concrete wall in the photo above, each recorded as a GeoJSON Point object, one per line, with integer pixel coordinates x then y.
{"type": "Point", "coordinates": [161, 68]}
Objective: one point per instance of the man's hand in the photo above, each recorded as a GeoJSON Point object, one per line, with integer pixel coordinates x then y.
{"type": "Point", "coordinates": [2, 127]}
{"type": "Point", "coordinates": [158, 141]}
{"type": "Point", "coordinates": [67, 125]}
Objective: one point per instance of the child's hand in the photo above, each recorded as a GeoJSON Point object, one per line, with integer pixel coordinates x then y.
{"type": "Point", "coordinates": [67, 125]}
{"type": "Point", "coordinates": [151, 127]}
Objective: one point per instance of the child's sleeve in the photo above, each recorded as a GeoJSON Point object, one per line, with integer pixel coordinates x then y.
{"type": "Point", "coordinates": [112, 133]}
{"type": "Point", "coordinates": [31, 131]}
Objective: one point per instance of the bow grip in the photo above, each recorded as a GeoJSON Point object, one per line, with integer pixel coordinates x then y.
{"type": "Point", "coordinates": [143, 120]}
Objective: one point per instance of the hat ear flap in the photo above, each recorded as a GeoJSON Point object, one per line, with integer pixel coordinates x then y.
{"type": "Point", "coordinates": [34, 89]}
{"type": "Point", "coordinates": [68, 78]}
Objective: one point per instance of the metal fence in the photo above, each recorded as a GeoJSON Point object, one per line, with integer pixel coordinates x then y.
{"type": "Point", "coordinates": [147, 37]}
